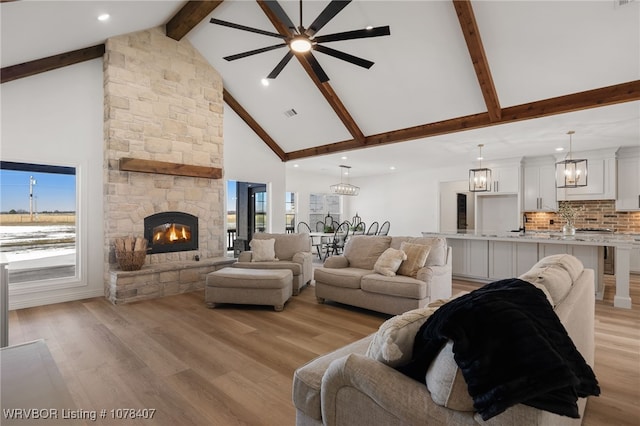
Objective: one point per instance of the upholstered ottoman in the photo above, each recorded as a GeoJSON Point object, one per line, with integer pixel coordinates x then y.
{"type": "Point", "coordinates": [249, 286]}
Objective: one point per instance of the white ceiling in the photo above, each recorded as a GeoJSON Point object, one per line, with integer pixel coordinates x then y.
{"type": "Point", "coordinates": [422, 73]}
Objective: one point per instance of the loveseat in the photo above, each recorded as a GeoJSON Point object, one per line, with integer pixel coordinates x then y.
{"type": "Point", "coordinates": [359, 384]}
{"type": "Point", "coordinates": [280, 251]}
{"type": "Point", "coordinates": [352, 279]}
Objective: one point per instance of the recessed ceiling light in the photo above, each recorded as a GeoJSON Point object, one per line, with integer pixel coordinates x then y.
{"type": "Point", "coordinates": [344, 157]}
{"type": "Point", "coordinates": [104, 17]}
{"type": "Point", "coordinates": [296, 165]}
{"type": "Point", "coordinates": [560, 149]}
{"type": "Point", "coordinates": [265, 82]}
{"type": "Point", "coordinates": [369, 27]}
{"type": "Point", "coordinates": [392, 168]}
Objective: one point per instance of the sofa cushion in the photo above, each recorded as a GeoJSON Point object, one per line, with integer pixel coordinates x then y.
{"type": "Point", "coordinates": [400, 286]}
{"type": "Point", "coordinates": [389, 262]}
{"type": "Point", "coordinates": [342, 277]}
{"type": "Point", "coordinates": [263, 250]}
{"type": "Point", "coordinates": [416, 258]}
{"type": "Point", "coordinates": [437, 254]}
{"type": "Point", "coordinates": [286, 245]}
{"type": "Point", "coordinates": [392, 344]}
{"type": "Point", "coordinates": [446, 383]}
{"type": "Point", "coordinates": [363, 251]}
{"type": "Point", "coordinates": [295, 268]}
{"type": "Point", "coordinates": [556, 273]}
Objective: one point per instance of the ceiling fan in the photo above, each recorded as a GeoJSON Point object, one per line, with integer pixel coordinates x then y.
{"type": "Point", "coordinates": [302, 40]}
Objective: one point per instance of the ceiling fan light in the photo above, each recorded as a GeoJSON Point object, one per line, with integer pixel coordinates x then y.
{"type": "Point", "coordinates": [300, 45]}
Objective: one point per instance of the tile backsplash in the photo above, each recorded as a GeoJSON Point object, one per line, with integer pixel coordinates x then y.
{"type": "Point", "coordinates": [592, 214]}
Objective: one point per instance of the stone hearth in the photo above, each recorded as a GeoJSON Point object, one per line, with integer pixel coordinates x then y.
{"type": "Point", "coordinates": [162, 102]}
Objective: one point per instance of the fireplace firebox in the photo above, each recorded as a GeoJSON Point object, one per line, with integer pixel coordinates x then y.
{"type": "Point", "coordinates": [170, 232]}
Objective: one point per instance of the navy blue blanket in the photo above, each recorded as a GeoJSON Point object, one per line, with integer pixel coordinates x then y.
{"type": "Point", "coordinates": [511, 348]}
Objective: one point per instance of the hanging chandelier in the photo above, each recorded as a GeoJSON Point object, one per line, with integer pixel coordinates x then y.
{"type": "Point", "coordinates": [344, 188]}
{"type": "Point", "coordinates": [571, 173]}
{"type": "Point", "coordinates": [480, 178]}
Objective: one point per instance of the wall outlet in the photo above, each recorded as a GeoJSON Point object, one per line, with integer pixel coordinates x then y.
{"type": "Point", "coordinates": [550, 221]}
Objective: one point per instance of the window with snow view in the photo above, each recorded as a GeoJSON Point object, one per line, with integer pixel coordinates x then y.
{"type": "Point", "coordinates": [38, 221]}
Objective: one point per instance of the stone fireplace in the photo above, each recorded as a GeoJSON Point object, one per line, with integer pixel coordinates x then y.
{"type": "Point", "coordinates": [162, 105]}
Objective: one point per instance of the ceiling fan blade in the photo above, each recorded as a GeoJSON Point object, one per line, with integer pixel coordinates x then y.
{"type": "Point", "coordinates": [254, 52]}
{"type": "Point", "coordinates": [244, 28]}
{"type": "Point", "coordinates": [284, 61]}
{"type": "Point", "coordinates": [326, 15]}
{"type": "Point", "coordinates": [317, 69]}
{"type": "Point", "coordinates": [275, 7]}
{"type": "Point", "coordinates": [344, 56]}
{"type": "Point", "coordinates": [350, 35]}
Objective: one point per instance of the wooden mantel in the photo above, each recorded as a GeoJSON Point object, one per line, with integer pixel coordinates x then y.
{"type": "Point", "coordinates": [166, 168]}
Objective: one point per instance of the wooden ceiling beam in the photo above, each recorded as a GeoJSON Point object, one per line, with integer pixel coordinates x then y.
{"type": "Point", "coordinates": [49, 63]}
{"type": "Point", "coordinates": [604, 96]}
{"type": "Point", "coordinates": [188, 17]}
{"type": "Point", "coordinates": [471, 33]}
{"type": "Point", "coordinates": [246, 117]}
{"type": "Point", "coordinates": [325, 88]}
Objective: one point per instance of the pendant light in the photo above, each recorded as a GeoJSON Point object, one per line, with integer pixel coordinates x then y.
{"type": "Point", "coordinates": [344, 188]}
{"type": "Point", "coordinates": [480, 178]}
{"type": "Point", "coordinates": [571, 173]}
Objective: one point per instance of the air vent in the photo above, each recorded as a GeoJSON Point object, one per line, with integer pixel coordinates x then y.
{"type": "Point", "coordinates": [619, 3]}
{"type": "Point", "coordinates": [290, 112]}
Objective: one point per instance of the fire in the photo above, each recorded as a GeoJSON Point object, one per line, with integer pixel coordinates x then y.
{"type": "Point", "coordinates": [168, 234]}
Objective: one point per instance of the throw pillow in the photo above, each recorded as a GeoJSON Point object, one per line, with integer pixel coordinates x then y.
{"type": "Point", "coordinates": [446, 383]}
{"type": "Point", "coordinates": [393, 342]}
{"type": "Point", "coordinates": [416, 258]}
{"type": "Point", "coordinates": [263, 250]}
{"type": "Point", "coordinates": [389, 262]}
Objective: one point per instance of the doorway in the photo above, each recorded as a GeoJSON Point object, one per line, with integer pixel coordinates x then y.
{"type": "Point", "coordinates": [250, 213]}
{"type": "Point", "coordinates": [457, 206]}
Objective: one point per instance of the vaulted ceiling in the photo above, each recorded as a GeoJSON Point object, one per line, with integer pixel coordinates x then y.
{"type": "Point", "coordinates": [513, 75]}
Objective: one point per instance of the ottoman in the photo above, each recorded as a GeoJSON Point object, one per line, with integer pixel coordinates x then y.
{"type": "Point", "coordinates": [249, 286]}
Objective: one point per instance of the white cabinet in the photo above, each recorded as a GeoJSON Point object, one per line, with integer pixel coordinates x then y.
{"type": "Point", "coordinates": [628, 179]}
{"type": "Point", "coordinates": [539, 185]}
{"type": "Point", "coordinates": [505, 180]}
{"type": "Point", "coordinates": [470, 258]}
{"type": "Point", "coordinates": [601, 178]}
{"type": "Point", "coordinates": [511, 259]}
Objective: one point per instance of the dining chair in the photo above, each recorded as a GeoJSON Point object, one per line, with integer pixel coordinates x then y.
{"type": "Point", "coordinates": [336, 245]}
{"type": "Point", "coordinates": [319, 226]}
{"type": "Point", "coordinates": [304, 228]}
{"type": "Point", "coordinates": [384, 228]}
{"type": "Point", "coordinates": [359, 229]}
{"type": "Point", "coordinates": [373, 229]}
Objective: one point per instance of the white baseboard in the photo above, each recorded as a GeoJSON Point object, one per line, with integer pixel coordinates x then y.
{"type": "Point", "coordinates": [32, 300]}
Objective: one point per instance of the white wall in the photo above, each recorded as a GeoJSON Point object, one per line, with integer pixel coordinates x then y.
{"type": "Point", "coordinates": [248, 159]}
{"type": "Point", "coordinates": [56, 118]}
{"type": "Point", "coordinates": [409, 200]}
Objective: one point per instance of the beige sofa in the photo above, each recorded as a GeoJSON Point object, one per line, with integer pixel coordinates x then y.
{"type": "Point", "coordinates": [350, 278]}
{"type": "Point", "coordinates": [292, 251]}
{"type": "Point", "coordinates": [356, 384]}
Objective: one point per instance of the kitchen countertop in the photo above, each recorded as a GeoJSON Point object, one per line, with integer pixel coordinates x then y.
{"type": "Point", "coordinates": [584, 238]}
{"type": "Point", "coordinates": [623, 243]}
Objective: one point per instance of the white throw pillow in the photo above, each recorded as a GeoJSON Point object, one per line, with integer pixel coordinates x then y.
{"type": "Point", "coordinates": [389, 262]}
{"type": "Point", "coordinates": [393, 342]}
{"type": "Point", "coordinates": [263, 250]}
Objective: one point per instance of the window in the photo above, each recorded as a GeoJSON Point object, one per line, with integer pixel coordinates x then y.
{"type": "Point", "coordinates": [323, 205]}
{"type": "Point", "coordinates": [290, 211]}
{"type": "Point", "coordinates": [38, 221]}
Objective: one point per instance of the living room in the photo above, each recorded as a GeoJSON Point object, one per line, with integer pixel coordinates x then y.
{"type": "Point", "coordinates": [57, 117]}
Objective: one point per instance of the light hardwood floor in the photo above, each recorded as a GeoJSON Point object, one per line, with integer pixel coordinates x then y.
{"type": "Point", "coordinates": [233, 365]}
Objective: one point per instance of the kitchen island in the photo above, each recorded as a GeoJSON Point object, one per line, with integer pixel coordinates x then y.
{"type": "Point", "coordinates": [489, 256]}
